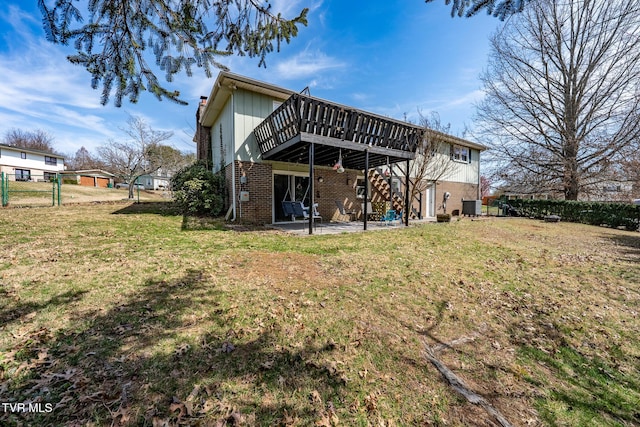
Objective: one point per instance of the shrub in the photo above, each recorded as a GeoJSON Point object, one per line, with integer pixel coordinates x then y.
{"type": "Point", "coordinates": [198, 191]}
{"type": "Point", "coordinates": [595, 213]}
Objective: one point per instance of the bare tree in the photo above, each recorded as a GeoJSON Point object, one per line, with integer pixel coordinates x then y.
{"type": "Point", "coordinates": [83, 160]}
{"type": "Point", "coordinates": [563, 92]}
{"type": "Point", "coordinates": [433, 159]}
{"type": "Point", "coordinates": [32, 140]}
{"type": "Point", "coordinates": [140, 155]}
{"type": "Point", "coordinates": [485, 186]}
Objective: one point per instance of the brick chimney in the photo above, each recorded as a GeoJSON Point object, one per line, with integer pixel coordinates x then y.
{"type": "Point", "coordinates": [203, 135]}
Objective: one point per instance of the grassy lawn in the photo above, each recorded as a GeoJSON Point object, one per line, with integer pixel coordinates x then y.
{"type": "Point", "coordinates": [132, 315]}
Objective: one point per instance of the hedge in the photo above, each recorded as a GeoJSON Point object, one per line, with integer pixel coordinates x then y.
{"type": "Point", "coordinates": [594, 213]}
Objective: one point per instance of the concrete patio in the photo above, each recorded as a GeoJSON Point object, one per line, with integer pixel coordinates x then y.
{"type": "Point", "coordinates": [302, 227]}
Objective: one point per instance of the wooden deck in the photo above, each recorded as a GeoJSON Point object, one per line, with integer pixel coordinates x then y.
{"type": "Point", "coordinates": [300, 120]}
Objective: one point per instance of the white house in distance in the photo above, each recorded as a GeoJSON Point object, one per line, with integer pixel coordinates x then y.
{"type": "Point", "coordinates": [22, 164]}
{"type": "Point", "coordinates": [275, 146]}
{"type": "Point", "coordinates": [159, 181]}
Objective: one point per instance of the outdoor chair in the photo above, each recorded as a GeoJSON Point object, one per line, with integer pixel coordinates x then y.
{"type": "Point", "coordinates": [287, 208]}
{"type": "Point", "coordinates": [301, 210]}
{"type": "Point", "coordinates": [344, 212]}
{"type": "Point", "coordinates": [391, 216]}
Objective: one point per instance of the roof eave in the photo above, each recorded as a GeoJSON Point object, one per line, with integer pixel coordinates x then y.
{"type": "Point", "coordinates": [227, 82]}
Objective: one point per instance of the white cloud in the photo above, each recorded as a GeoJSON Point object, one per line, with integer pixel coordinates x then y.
{"type": "Point", "coordinates": [291, 8]}
{"type": "Point", "coordinates": [307, 64]}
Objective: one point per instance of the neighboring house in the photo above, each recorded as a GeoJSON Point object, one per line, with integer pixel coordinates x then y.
{"type": "Point", "coordinates": [90, 178]}
{"type": "Point", "coordinates": [275, 145]}
{"type": "Point", "coordinates": [158, 181]}
{"type": "Point", "coordinates": [612, 191]}
{"type": "Point", "coordinates": [22, 164]}
{"type": "Point", "coordinates": [609, 191]}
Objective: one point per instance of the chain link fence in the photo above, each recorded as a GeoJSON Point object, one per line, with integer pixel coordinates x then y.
{"type": "Point", "coordinates": [30, 190]}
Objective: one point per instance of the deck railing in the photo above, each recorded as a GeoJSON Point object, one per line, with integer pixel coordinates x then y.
{"type": "Point", "coordinates": [306, 114]}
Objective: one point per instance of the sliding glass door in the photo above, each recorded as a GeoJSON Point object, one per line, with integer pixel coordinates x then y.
{"type": "Point", "coordinates": [287, 187]}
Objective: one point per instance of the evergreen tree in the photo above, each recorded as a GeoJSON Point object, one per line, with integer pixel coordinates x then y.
{"type": "Point", "coordinates": [114, 42]}
{"type": "Point", "coordinates": [498, 8]}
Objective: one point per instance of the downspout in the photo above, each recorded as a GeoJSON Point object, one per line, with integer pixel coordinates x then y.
{"type": "Point", "coordinates": [233, 152]}
{"type": "Point", "coordinates": [479, 177]}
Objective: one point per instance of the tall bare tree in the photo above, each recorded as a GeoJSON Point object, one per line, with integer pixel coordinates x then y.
{"type": "Point", "coordinates": [141, 154]}
{"type": "Point", "coordinates": [83, 160]}
{"type": "Point", "coordinates": [563, 91]}
{"type": "Point", "coordinates": [33, 140]}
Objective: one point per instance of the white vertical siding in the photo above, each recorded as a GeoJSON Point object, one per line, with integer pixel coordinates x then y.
{"type": "Point", "coordinates": [455, 171]}
{"type": "Point", "coordinates": [250, 110]}
{"type": "Point", "coordinates": [465, 172]}
{"type": "Point", "coordinates": [222, 129]}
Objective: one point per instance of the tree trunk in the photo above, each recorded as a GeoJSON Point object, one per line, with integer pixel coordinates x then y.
{"type": "Point", "coordinates": [571, 174]}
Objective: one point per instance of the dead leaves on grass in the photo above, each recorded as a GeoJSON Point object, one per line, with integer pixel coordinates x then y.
{"type": "Point", "coordinates": [201, 407]}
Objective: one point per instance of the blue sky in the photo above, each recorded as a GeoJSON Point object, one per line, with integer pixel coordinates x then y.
{"type": "Point", "coordinates": [391, 57]}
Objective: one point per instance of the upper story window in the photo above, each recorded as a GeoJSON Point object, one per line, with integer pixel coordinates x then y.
{"type": "Point", "coordinates": [23, 155]}
{"type": "Point", "coordinates": [50, 160]}
{"type": "Point", "coordinates": [460, 154]}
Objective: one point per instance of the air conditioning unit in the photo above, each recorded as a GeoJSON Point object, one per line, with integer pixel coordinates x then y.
{"type": "Point", "coordinates": [472, 207]}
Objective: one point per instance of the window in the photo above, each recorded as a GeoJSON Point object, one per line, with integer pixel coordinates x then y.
{"type": "Point", "coordinates": [50, 160]}
{"type": "Point", "coordinates": [23, 174]}
{"type": "Point", "coordinates": [460, 154]}
{"type": "Point", "coordinates": [23, 155]}
{"type": "Point", "coordinates": [49, 176]}
{"type": "Point", "coordinates": [360, 188]}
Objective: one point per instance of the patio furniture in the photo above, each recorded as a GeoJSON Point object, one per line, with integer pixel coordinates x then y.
{"type": "Point", "coordinates": [345, 212]}
{"type": "Point", "coordinates": [287, 208]}
{"type": "Point", "coordinates": [391, 216]}
{"type": "Point", "coordinates": [300, 210]}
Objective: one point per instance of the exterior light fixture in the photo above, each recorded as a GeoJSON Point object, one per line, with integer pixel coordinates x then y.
{"type": "Point", "coordinates": [338, 166]}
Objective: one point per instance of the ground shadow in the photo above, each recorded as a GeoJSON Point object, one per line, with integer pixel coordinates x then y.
{"type": "Point", "coordinates": [11, 311]}
{"type": "Point", "coordinates": [592, 386]}
{"type": "Point", "coordinates": [629, 245]}
{"type": "Point", "coordinates": [167, 208]}
{"type": "Point", "coordinates": [122, 366]}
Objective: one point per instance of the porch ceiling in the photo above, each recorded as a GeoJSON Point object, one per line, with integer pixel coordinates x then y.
{"type": "Point", "coordinates": [327, 151]}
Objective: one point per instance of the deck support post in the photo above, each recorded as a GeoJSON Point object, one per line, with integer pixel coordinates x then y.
{"type": "Point", "coordinates": [366, 186]}
{"type": "Point", "coordinates": [407, 202]}
{"type": "Point", "coordinates": [312, 199]}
